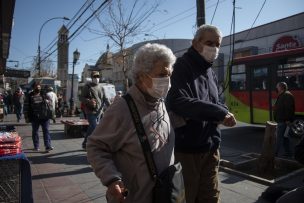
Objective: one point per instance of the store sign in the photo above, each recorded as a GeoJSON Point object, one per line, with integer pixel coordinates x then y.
{"type": "Point", "coordinates": [17, 73]}
{"type": "Point", "coordinates": [286, 42]}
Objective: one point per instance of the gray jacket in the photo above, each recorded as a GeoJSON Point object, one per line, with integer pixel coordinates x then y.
{"type": "Point", "coordinates": [92, 91]}
{"type": "Point", "coordinates": [114, 150]}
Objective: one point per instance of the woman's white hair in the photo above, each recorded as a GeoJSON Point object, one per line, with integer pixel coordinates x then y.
{"type": "Point", "coordinates": [206, 28]}
{"type": "Point", "coordinates": [146, 57]}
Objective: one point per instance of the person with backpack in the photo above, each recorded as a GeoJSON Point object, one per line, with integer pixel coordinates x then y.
{"type": "Point", "coordinates": [36, 112]}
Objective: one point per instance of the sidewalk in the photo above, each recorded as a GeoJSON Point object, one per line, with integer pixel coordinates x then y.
{"type": "Point", "coordinates": [64, 175]}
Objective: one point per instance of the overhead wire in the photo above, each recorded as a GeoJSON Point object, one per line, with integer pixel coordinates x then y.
{"type": "Point", "coordinates": [253, 22]}
{"type": "Point", "coordinates": [214, 11]}
{"type": "Point", "coordinates": [231, 54]}
{"type": "Point", "coordinates": [70, 38]}
{"type": "Point", "coordinates": [231, 49]}
{"type": "Point", "coordinates": [180, 19]}
{"type": "Point", "coordinates": [72, 21]}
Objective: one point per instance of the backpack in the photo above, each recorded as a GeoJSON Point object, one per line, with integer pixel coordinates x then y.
{"type": "Point", "coordinates": [42, 110]}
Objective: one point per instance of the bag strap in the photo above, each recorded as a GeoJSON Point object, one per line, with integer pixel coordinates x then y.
{"type": "Point", "coordinates": [141, 135]}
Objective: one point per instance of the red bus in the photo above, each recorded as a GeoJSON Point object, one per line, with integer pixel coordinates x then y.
{"type": "Point", "coordinates": [252, 83]}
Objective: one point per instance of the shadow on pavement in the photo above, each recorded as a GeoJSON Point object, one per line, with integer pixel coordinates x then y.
{"type": "Point", "coordinates": [66, 173]}
{"type": "Point", "coordinates": [68, 158]}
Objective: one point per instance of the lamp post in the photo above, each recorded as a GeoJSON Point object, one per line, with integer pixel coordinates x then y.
{"type": "Point", "coordinates": [39, 58]}
{"type": "Point", "coordinates": [76, 56]}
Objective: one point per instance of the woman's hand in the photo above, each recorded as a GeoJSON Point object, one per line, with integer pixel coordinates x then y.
{"type": "Point", "coordinates": [117, 191]}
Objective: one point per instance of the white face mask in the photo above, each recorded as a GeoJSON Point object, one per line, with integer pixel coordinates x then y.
{"type": "Point", "coordinates": [95, 80]}
{"type": "Point", "coordinates": [209, 53]}
{"type": "Point", "coordinates": [160, 87]}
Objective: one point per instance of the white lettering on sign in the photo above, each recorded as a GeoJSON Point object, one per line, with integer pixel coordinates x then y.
{"type": "Point", "coordinates": [290, 45]}
{"type": "Point", "coordinates": [286, 42]}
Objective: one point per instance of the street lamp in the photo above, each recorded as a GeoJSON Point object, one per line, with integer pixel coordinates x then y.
{"type": "Point", "coordinates": [39, 58]}
{"type": "Point", "coordinates": [76, 56]}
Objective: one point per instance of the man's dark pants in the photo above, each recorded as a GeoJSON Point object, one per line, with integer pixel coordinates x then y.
{"type": "Point", "coordinates": [46, 135]}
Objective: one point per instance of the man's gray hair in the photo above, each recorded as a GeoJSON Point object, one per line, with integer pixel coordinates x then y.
{"type": "Point", "coordinates": [206, 28]}
{"type": "Point", "coordinates": [146, 57]}
{"type": "Point", "coordinates": [283, 85]}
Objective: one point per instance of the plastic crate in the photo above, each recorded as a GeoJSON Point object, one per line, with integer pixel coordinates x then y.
{"type": "Point", "coordinates": [10, 181]}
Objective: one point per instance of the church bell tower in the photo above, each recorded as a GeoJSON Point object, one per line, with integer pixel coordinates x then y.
{"type": "Point", "coordinates": [63, 59]}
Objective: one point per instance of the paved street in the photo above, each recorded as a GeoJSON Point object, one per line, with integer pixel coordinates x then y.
{"type": "Point", "coordinates": [64, 175]}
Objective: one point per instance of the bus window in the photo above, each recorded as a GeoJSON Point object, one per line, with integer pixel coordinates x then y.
{"type": "Point", "coordinates": [293, 74]}
{"type": "Point", "coordinates": [260, 75]}
{"type": "Point", "coordinates": [238, 77]}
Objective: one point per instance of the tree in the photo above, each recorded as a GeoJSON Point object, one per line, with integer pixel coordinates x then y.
{"type": "Point", "coordinates": [47, 68]}
{"type": "Point", "coordinates": [124, 22]}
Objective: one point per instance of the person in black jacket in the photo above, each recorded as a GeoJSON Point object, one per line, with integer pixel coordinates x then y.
{"type": "Point", "coordinates": [193, 98]}
{"type": "Point", "coordinates": [18, 100]}
{"type": "Point", "coordinates": [33, 112]}
{"type": "Point", "coordinates": [284, 113]}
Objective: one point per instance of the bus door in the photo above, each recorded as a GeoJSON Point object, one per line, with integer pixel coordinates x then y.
{"type": "Point", "coordinates": [260, 94]}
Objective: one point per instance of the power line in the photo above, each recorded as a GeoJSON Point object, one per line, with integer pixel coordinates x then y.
{"type": "Point", "coordinates": [254, 22]}
{"type": "Point", "coordinates": [80, 27]}
{"type": "Point", "coordinates": [231, 51]}
{"type": "Point", "coordinates": [71, 21]}
{"type": "Point", "coordinates": [179, 14]}
{"type": "Point", "coordinates": [215, 10]}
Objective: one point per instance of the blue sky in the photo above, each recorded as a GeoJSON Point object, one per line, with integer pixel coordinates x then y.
{"type": "Point", "coordinates": [174, 19]}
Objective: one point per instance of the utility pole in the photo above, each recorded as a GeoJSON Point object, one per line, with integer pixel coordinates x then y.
{"type": "Point", "coordinates": [200, 12]}
{"type": "Point", "coordinates": [233, 34]}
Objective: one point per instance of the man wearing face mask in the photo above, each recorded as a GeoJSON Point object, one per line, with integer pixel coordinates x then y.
{"type": "Point", "coordinates": [94, 100]}
{"type": "Point", "coordinates": [33, 113]}
{"type": "Point", "coordinates": [194, 98]}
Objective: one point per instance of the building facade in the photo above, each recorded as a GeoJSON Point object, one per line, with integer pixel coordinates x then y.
{"type": "Point", "coordinates": [112, 65]}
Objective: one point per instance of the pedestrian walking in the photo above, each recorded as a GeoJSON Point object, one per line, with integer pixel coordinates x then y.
{"type": "Point", "coordinates": [51, 96]}
{"type": "Point", "coordinates": [10, 104]}
{"type": "Point", "coordinates": [94, 100]}
{"type": "Point", "coordinates": [194, 102]}
{"type": "Point", "coordinates": [59, 108]}
{"type": "Point", "coordinates": [35, 112]}
{"type": "Point", "coordinates": [18, 100]}
{"type": "Point", "coordinates": [114, 150]}
{"type": "Point", "coordinates": [284, 113]}
{"type": "Point", "coordinates": [5, 103]}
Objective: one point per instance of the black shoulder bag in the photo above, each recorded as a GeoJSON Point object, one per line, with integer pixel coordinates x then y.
{"type": "Point", "coordinates": [169, 185]}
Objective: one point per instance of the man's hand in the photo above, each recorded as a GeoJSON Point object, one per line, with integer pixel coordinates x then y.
{"type": "Point", "coordinates": [117, 190]}
{"type": "Point", "coordinates": [91, 104]}
{"type": "Point", "coordinates": [229, 120]}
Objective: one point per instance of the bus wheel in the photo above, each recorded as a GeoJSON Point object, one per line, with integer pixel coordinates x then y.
{"type": "Point", "coordinates": [297, 128]}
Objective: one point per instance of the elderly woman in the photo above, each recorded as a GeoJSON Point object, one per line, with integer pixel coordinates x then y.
{"type": "Point", "coordinates": [114, 150]}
